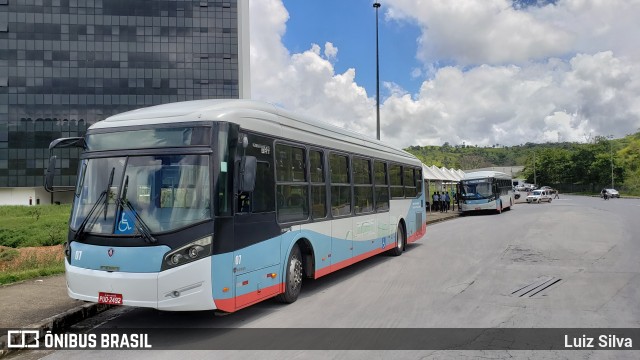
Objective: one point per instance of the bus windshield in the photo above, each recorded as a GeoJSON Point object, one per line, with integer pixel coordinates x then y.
{"type": "Point", "coordinates": [165, 192]}
{"type": "Point", "coordinates": [476, 189]}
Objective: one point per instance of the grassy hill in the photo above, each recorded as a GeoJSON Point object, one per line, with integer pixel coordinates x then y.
{"type": "Point", "coordinates": [567, 163]}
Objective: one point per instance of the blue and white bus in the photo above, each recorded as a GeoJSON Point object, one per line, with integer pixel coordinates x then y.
{"type": "Point", "coordinates": [219, 204]}
{"type": "Point", "coordinates": [485, 190]}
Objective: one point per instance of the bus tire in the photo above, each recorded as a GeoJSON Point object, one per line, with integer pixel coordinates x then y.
{"type": "Point", "coordinates": [293, 277]}
{"type": "Point", "coordinates": [400, 241]}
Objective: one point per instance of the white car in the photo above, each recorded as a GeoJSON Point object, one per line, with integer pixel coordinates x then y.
{"type": "Point", "coordinates": [538, 196]}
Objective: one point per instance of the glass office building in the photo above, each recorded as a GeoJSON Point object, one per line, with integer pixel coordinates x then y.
{"type": "Point", "coordinates": [66, 64]}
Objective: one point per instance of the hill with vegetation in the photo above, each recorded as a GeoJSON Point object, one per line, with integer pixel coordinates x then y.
{"type": "Point", "coordinates": [578, 167]}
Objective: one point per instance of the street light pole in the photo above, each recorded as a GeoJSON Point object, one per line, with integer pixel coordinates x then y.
{"type": "Point", "coordinates": [535, 181]}
{"type": "Point", "coordinates": [376, 5]}
{"type": "Point", "coordinates": [611, 157]}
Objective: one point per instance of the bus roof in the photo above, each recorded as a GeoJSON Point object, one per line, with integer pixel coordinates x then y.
{"type": "Point", "coordinates": [257, 116]}
{"type": "Point", "coordinates": [486, 174]}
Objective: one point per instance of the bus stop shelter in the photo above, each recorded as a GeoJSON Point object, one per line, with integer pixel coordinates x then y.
{"type": "Point", "coordinates": [440, 180]}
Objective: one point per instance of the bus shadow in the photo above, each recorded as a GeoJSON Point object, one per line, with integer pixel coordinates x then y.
{"type": "Point", "coordinates": [177, 322]}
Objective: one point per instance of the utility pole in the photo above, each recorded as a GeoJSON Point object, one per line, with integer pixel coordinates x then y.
{"type": "Point", "coordinates": [535, 181]}
{"type": "Point", "coordinates": [611, 156]}
{"type": "Point", "coordinates": [376, 5]}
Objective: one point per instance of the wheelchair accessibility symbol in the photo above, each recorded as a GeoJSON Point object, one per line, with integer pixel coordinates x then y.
{"type": "Point", "coordinates": [125, 224]}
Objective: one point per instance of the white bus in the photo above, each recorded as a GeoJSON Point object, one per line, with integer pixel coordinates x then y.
{"type": "Point", "coordinates": [219, 204]}
{"type": "Point", "coordinates": [485, 190]}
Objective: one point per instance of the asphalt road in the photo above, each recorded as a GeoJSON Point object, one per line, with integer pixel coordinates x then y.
{"type": "Point", "coordinates": [464, 273]}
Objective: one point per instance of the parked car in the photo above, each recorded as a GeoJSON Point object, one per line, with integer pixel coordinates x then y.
{"type": "Point", "coordinates": [538, 196]}
{"type": "Point", "coordinates": [612, 193]}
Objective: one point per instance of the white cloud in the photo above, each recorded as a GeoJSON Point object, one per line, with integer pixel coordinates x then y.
{"type": "Point", "coordinates": [472, 32]}
{"type": "Point", "coordinates": [512, 105]}
{"type": "Point", "coordinates": [547, 73]}
{"type": "Point", "coordinates": [330, 51]}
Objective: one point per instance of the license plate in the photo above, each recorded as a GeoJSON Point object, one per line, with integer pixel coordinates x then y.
{"type": "Point", "coordinates": [110, 298]}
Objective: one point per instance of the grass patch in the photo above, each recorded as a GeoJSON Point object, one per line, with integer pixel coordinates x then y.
{"type": "Point", "coordinates": [30, 241]}
{"type": "Point", "coordinates": [41, 225]}
{"type": "Point", "coordinates": [8, 254]}
{"type": "Point", "coordinates": [26, 263]}
{"type": "Point", "coordinates": [15, 276]}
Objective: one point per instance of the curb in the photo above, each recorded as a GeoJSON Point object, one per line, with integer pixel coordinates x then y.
{"type": "Point", "coordinates": [442, 219]}
{"type": "Point", "coordinates": [56, 323]}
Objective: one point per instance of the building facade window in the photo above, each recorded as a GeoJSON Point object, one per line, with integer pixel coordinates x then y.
{"type": "Point", "coordinates": [64, 67]}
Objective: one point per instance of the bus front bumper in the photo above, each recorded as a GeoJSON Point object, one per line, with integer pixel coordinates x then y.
{"type": "Point", "coordinates": [478, 206]}
{"type": "Point", "coordinates": [184, 288]}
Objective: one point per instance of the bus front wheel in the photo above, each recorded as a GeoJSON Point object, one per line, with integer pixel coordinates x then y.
{"type": "Point", "coordinates": [293, 277]}
{"type": "Point", "coordinates": [397, 250]}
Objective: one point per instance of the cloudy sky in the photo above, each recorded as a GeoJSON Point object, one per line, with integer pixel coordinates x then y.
{"type": "Point", "coordinates": [479, 72]}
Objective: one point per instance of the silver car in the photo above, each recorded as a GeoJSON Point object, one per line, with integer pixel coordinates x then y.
{"type": "Point", "coordinates": [612, 193]}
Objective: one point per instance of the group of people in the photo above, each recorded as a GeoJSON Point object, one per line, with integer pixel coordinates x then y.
{"type": "Point", "coordinates": [442, 201]}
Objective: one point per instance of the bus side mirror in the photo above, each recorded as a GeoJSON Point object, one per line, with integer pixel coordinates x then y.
{"type": "Point", "coordinates": [247, 174]}
{"type": "Point", "coordinates": [49, 174]}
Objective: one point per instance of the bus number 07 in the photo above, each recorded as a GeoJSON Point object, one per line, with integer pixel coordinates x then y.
{"type": "Point", "coordinates": [238, 259]}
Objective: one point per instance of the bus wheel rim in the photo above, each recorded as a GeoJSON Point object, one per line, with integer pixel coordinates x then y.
{"type": "Point", "coordinates": [295, 269]}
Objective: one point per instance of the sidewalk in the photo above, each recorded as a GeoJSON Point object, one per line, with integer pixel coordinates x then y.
{"type": "Point", "coordinates": [40, 304]}
{"type": "Point", "coordinates": [44, 304]}
{"type": "Point", "coordinates": [436, 216]}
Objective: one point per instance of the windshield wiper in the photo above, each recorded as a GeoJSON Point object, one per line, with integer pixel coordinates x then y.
{"type": "Point", "coordinates": [104, 194]}
{"type": "Point", "coordinates": [80, 233]}
{"type": "Point", "coordinates": [140, 224]}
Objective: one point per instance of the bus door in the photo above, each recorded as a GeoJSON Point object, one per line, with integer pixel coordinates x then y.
{"type": "Point", "coordinates": [257, 235]}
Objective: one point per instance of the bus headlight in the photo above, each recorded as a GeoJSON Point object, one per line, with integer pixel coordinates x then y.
{"type": "Point", "coordinates": [192, 251]}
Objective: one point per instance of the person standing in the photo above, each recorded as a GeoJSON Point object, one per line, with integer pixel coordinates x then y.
{"type": "Point", "coordinates": [447, 201]}
{"type": "Point", "coordinates": [436, 200]}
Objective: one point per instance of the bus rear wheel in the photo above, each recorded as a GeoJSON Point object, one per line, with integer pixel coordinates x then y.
{"type": "Point", "coordinates": [293, 277]}
{"type": "Point", "coordinates": [399, 248]}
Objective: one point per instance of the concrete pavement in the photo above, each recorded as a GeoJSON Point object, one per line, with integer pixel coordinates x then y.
{"type": "Point", "coordinates": [43, 303]}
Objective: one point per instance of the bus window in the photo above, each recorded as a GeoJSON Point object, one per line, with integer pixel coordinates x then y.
{"type": "Point", "coordinates": [292, 188]}
{"type": "Point", "coordinates": [224, 184]}
{"type": "Point", "coordinates": [419, 180]}
{"type": "Point", "coordinates": [409, 183]}
{"type": "Point", "coordinates": [363, 185]}
{"type": "Point", "coordinates": [340, 185]}
{"type": "Point", "coordinates": [318, 188]}
{"type": "Point", "coordinates": [382, 188]}
{"type": "Point", "coordinates": [395, 176]}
